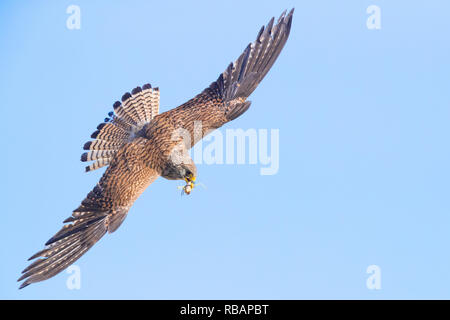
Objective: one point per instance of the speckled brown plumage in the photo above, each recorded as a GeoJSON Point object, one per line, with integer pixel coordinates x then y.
{"type": "Point", "coordinates": [138, 145]}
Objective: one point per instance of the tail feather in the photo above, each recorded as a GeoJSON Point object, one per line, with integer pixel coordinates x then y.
{"type": "Point", "coordinates": [109, 128]}
{"type": "Point", "coordinates": [151, 102]}
{"type": "Point", "coordinates": [97, 154]}
{"type": "Point", "coordinates": [136, 102]}
{"type": "Point", "coordinates": [123, 125]}
{"type": "Point", "coordinates": [99, 163]}
{"type": "Point", "coordinates": [102, 145]}
{"type": "Point", "coordinates": [130, 107]}
{"type": "Point", "coordinates": [124, 114]}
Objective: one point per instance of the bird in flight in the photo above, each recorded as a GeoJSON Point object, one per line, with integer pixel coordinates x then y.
{"type": "Point", "coordinates": [137, 144]}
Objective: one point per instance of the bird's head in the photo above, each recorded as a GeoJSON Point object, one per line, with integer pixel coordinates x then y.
{"type": "Point", "coordinates": [186, 171]}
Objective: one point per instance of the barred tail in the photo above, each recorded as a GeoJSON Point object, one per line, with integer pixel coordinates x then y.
{"type": "Point", "coordinates": [122, 126]}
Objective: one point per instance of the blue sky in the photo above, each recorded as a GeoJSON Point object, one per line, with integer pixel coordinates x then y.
{"type": "Point", "coordinates": [363, 123]}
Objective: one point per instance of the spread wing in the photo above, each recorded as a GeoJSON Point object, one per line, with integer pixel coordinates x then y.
{"type": "Point", "coordinates": [103, 210]}
{"type": "Point", "coordinates": [118, 143]}
{"type": "Point", "coordinates": [225, 99]}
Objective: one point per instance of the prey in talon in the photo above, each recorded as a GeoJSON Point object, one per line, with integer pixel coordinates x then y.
{"type": "Point", "coordinates": [190, 184]}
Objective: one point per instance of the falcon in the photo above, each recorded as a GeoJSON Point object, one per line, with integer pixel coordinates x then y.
{"type": "Point", "coordinates": [138, 144]}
